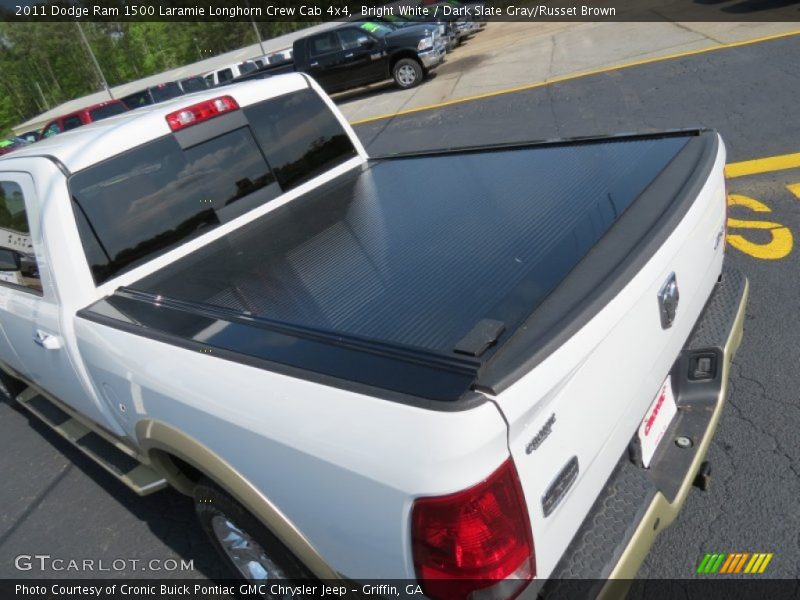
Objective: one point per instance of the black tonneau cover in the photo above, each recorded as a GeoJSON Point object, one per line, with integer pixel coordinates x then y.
{"type": "Point", "coordinates": [414, 274]}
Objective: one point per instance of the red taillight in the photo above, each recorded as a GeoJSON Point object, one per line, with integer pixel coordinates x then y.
{"type": "Point", "coordinates": [465, 543]}
{"type": "Point", "coordinates": [202, 111]}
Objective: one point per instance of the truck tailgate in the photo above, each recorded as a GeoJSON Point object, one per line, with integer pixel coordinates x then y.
{"type": "Point", "coordinates": [579, 380]}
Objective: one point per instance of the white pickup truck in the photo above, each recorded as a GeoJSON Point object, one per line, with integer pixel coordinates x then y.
{"type": "Point", "coordinates": [476, 369]}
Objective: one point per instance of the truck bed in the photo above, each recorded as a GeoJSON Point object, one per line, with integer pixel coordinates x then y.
{"type": "Point", "coordinates": [428, 276]}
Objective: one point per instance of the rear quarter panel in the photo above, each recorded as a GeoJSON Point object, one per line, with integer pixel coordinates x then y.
{"type": "Point", "coordinates": [344, 467]}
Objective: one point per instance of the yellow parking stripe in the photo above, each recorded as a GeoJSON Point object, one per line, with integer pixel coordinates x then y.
{"type": "Point", "coordinates": [794, 188]}
{"type": "Point", "coordinates": [763, 165]}
{"type": "Point", "coordinates": [533, 86]}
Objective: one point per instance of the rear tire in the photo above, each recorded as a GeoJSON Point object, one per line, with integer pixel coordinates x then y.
{"type": "Point", "coordinates": [407, 73]}
{"type": "Point", "coordinates": [250, 550]}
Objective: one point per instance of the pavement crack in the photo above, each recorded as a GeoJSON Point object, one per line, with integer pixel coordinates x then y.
{"type": "Point", "coordinates": [552, 58]}
{"type": "Point", "coordinates": [764, 396]}
{"type": "Point", "coordinates": [700, 33]}
{"type": "Point", "coordinates": [35, 504]}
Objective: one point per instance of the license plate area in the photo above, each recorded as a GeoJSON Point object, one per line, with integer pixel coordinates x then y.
{"type": "Point", "coordinates": [656, 422]}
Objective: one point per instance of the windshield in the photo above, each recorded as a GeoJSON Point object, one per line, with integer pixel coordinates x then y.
{"type": "Point", "coordinates": [109, 110]}
{"type": "Point", "coordinates": [194, 84]}
{"type": "Point", "coordinates": [376, 29]}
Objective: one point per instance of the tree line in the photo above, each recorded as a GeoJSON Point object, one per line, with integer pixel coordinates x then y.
{"type": "Point", "coordinates": [45, 64]}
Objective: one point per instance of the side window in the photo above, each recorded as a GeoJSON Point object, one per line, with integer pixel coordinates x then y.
{"type": "Point", "coordinates": [353, 38]}
{"type": "Point", "coordinates": [300, 136]}
{"type": "Point", "coordinates": [324, 44]}
{"type": "Point", "coordinates": [72, 122]}
{"type": "Point", "coordinates": [225, 75]}
{"type": "Point", "coordinates": [17, 259]}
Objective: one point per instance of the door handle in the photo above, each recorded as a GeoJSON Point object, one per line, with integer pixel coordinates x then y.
{"type": "Point", "coordinates": [314, 64]}
{"type": "Point", "coordinates": [47, 340]}
{"type": "Point", "coordinates": [349, 55]}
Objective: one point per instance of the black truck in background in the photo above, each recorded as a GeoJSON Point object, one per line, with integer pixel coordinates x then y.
{"type": "Point", "coordinates": [358, 54]}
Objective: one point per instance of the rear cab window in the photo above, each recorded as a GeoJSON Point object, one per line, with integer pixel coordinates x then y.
{"type": "Point", "coordinates": [109, 110]}
{"type": "Point", "coordinates": [148, 200]}
{"type": "Point", "coordinates": [137, 99]}
{"type": "Point", "coordinates": [194, 84]}
{"type": "Point", "coordinates": [166, 91]}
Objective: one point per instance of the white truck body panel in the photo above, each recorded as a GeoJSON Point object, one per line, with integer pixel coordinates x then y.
{"type": "Point", "coordinates": [368, 458]}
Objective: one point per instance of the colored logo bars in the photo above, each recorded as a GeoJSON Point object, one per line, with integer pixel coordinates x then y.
{"type": "Point", "coordinates": [739, 562]}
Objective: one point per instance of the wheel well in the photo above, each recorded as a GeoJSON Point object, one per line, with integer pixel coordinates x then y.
{"type": "Point", "coordinates": [180, 474]}
{"type": "Point", "coordinates": [403, 54]}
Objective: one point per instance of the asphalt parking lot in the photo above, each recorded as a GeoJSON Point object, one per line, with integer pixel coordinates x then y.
{"type": "Point", "coordinates": [54, 501]}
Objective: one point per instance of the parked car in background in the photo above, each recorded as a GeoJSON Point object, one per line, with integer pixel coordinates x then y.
{"type": "Point", "coordinates": [357, 54]}
{"type": "Point", "coordinates": [462, 26]}
{"type": "Point", "coordinates": [274, 58]}
{"type": "Point", "coordinates": [446, 30]}
{"type": "Point", "coordinates": [90, 114]}
{"type": "Point", "coordinates": [193, 84]}
{"type": "Point", "coordinates": [13, 143]}
{"type": "Point", "coordinates": [31, 136]}
{"type": "Point", "coordinates": [467, 11]}
{"type": "Point", "coordinates": [226, 74]}
{"type": "Point", "coordinates": [153, 95]}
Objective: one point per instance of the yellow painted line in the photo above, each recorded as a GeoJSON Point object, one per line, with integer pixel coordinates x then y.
{"type": "Point", "coordinates": [742, 224]}
{"type": "Point", "coordinates": [533, 86]}
{"type": "Point", "coordinates": [763, 165]}
{"type": "Point", "coordinates": [794, 188]}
